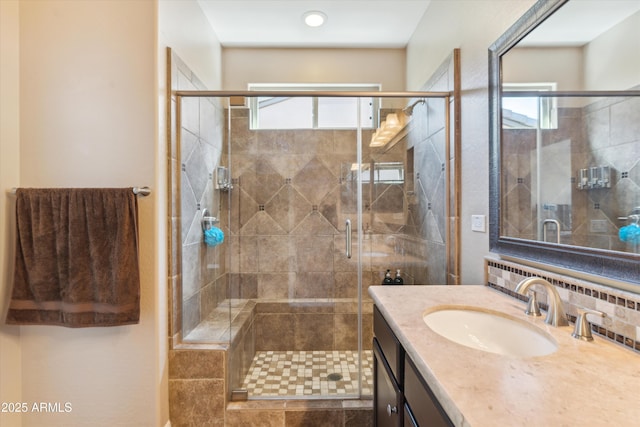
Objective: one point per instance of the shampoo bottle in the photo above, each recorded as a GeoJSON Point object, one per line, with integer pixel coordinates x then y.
{"type": "Point", "coordinates": [387, 278]}
{"type": "Point", "coordinates": [398, 280]}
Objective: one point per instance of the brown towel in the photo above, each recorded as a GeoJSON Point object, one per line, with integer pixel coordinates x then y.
{"type": "Point", "coordinates": [76, 262]}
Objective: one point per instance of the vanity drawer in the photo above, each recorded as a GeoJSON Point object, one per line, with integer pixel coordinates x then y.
{"type": "Point", "coordinates": [390, 346]}
{"type": "Point", "coordinates": [422, 406]}
{"type": "Point", "coordinates": [387, 397]}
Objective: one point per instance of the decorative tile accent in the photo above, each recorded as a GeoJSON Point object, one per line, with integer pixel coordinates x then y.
{"type": "Point", "coordinates": [622, 322]}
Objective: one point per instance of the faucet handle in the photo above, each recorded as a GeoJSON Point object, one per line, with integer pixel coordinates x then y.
{"type": "Point", "coordinates": [533, 309]}
{"type": "Point", "coordinates": [582, 329]}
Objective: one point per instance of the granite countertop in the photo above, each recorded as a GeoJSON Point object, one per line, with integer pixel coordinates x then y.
{"type": "Point", "coordinates": [582, 384]}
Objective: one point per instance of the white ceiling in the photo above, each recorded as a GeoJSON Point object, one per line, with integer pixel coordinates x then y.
{"type": "Point", "coordinates": [579, 21]}
{"type": "Point", "coordinates": [383, 23]}
{"type": "Point", "coordinates": [278, 23]}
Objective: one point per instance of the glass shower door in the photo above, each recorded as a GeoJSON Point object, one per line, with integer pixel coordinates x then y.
{"type": "Point", "coordinates": [294, 187]}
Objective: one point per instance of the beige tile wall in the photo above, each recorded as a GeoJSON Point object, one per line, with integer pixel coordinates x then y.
{"type": "Point", "coordinates": [622, 308]}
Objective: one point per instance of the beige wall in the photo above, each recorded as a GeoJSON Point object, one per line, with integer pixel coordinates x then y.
{"type": "Point", "coordinates": [612, 61]}
{"type": "Point", "coordinates": [472, 26]}
{"type": "Point", "coordinates": [184, 28]}
{"type": "Point", "coordinates": [87, 110]}
{"type": "Point", "coordinates": [83, 105]}
{"type": "Point", "coordinates": [607, 63]}
{"type": "Point", "coordinates": [243, 66]}
{"type": "Point", "coordinates": [10, 354]}
{"type": "Point", "coordinates": [564, 66]}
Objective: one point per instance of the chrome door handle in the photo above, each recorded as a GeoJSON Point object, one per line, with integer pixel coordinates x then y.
{"type": "Point", "coordinates": [348, 239]}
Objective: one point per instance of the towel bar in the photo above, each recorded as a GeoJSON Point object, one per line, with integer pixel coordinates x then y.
{"type": "Point", "coordinates": [138, 191]}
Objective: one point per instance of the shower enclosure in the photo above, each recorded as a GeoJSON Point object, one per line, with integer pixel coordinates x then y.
{"type": "Point", "coordinates": [317, 194]}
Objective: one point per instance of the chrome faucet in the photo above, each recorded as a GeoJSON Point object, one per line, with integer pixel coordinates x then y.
{"type": "Point", "coordinates": [556, 315]}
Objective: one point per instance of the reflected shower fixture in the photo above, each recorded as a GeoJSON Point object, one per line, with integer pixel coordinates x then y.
{"type": "Point", "coordinates": [408, 111]}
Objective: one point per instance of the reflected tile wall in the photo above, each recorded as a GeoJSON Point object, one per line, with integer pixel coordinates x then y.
{"type": "Point", "coordinates": [605, 132]}
{"type": "Point", "coordinates": [614, 142]}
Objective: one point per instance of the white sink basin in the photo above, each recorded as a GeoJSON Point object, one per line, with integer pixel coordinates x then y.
{"type": "Point", "coordinates": [490, 331]}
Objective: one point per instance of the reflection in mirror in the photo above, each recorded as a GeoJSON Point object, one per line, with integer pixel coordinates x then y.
{"type": "Point", "coordinates": [576, 182]}
{"type": "Point", "coordinates": [566, 137]}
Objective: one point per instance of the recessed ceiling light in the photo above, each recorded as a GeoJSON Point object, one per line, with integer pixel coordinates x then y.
{"type": "Point", "coordinates": [314, 18]}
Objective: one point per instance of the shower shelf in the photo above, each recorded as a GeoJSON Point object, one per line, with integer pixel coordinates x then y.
{"type": "Point", "coordinates": [208, 221]}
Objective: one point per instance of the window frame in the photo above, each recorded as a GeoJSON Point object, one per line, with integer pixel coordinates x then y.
{"type": "Point", "coordinates": [311, 87]}
{"type": "Point", "coordinates": [547, 106]}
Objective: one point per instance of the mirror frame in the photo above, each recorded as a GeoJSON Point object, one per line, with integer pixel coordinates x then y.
{"type": "Point", "coordinates": [613, 266]}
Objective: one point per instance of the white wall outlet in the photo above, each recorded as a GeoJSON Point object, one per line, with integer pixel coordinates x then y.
{"type": "Point", "coordinates": [479, 223]}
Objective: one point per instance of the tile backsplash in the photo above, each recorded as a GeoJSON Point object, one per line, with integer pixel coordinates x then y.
{"type": "Point", "coordinates": [621, 324]}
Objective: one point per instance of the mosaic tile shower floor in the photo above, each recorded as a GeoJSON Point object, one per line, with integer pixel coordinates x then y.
{"type": "Point", "coordinates": [308, 373]}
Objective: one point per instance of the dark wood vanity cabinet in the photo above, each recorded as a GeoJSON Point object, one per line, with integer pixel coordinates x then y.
{"type": "Point", "coordinates": [388, 358]}
{"type": "Point", "coordinates": [422, 406]}
{"type": "Point", "coordinates": [401, 397]}
{"type": "Point", "coordinates": [387, 397]}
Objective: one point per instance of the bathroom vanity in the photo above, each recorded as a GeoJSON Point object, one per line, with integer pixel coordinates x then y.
{"type": "Point", "coordinates": [401, 396]}
{"type": "Point", "coordinates": [425, 379]}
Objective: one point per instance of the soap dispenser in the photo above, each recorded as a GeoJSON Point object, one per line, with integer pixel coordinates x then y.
{"type": "Point", "coordinates": [387, 278]}
{"type": "Point", "coordinates": [398, 280]}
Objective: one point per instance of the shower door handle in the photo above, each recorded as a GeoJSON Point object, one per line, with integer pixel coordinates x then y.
{"type": "Point", "coordinates": [348, 231]}
{"type": "Point", "coordinates": [544, 229]}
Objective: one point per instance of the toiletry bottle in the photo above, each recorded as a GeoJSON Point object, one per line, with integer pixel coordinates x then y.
{"type": "Point", "coordinates": [398, 280]}
{"type": "Point", "coordinates": [387, 278]}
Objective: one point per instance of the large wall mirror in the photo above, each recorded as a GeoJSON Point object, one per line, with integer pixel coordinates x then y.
{"type": "Point", "coordinates": [565, 138]}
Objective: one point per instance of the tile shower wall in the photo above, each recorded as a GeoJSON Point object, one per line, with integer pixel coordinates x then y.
{"type": "Point", "coordinates": [622, 322]}
{"type": "Point", "coordinates": [606, 132]}
{"type": "Point", "coordinates": [197, 375]}
{"type": "Point", "coordinates": [425, 234]}
{"type": "Point", "coordinates": [203, 269]}
{"type": "Point", "coordinates": [293, 190]}
{"type": "Point", "coordinates": [426, 197]}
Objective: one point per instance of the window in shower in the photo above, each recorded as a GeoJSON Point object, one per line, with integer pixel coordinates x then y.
{"type": "Point", "coordinates": [531, 112]}
{"type": "Point", "coordinates": [270, 112]}
{"type": "Point", "coordinates": [384, 173]}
